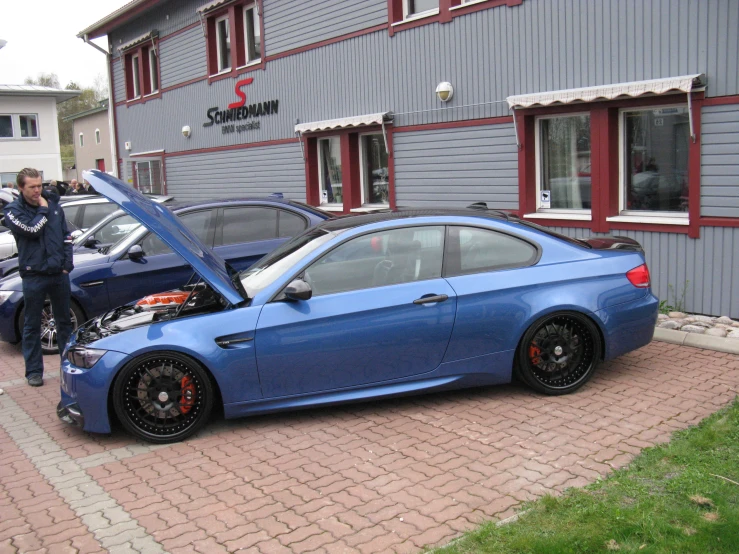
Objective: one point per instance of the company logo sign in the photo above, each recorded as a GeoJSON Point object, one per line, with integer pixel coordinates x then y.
{"type": "Point", "coordinates": [239, 111]}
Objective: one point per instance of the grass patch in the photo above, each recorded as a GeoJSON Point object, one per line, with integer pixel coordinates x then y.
{"type": "Point", "coordinates": [668, 500]}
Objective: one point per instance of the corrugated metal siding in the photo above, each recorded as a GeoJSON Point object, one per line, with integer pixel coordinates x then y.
{"type": "Point", "coordinates": [237, 173]}
{"type": "Point", "coordinates": [119, 82]}
{"type": "Point", "coordinates": [705, 269]}
{"type": "Point", "coordinates": [290, 24]}
{"type": "Point", "coordinates": [720, 161]}
{"type": "Point", "coordinates": [183, 57]}
{"type": "Point", "coordinates": [455, 167]}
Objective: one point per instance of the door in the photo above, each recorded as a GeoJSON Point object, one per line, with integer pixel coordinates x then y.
{"type": "Point", "coordinates": [380, 311]}
{"type": "Point", "coordinates": [100, 164]}
{"type": "Point", "coordinates": [160, 269]}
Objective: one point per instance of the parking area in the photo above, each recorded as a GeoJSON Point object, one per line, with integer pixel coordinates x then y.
{"type": "Point", "coordinates": [390, 476]}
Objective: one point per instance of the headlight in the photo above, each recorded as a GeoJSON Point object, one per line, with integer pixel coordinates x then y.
{"type": "Point", "coordinates": [84, 357]}
{"type": "Point", "coordinates": [5, 294]}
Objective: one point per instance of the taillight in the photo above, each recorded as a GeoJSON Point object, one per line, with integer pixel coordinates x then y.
{"type": "Point", "coordinates": [639, 276]}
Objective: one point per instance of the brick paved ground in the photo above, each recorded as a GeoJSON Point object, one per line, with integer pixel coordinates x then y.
{"type": "Point", "coordinates": [385, 477]}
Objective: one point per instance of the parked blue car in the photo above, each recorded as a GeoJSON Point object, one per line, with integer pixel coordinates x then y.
{"type": "Point", "coordinates": [241, 231]}
{"type": "Point", "coordinates": [353, 309]}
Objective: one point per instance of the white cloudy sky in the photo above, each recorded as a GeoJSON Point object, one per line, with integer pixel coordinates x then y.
{"type": "Point", "coordinates": [42, 38]}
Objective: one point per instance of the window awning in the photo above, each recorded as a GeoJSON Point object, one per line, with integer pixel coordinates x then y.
{"type": "Point", "coordinates": [343, 122]}
{"type": "Point", "coordinates": [138, 40]}
{"type": "Point", "coordinates": [212, 5]}
{"type": "Point", "coordinates": [685, 83]}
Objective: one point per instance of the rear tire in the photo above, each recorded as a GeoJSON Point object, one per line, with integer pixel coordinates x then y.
{"type": "Point", "coordinates": [559, 353]}
{"type": "Point", "coordinates": [163, 397]}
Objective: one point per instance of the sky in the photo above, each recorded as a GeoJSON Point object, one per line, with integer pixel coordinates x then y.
{"type": "Point", "coordinates": [42, 38]}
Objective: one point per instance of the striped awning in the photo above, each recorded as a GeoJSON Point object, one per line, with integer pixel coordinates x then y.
{"type": "Point", "coordinates": [684, 83]}
{"type": "Point", "coordinates": [212, 5]}
{"type": "Point", "coordinates": [138, 40]}
{"type": "Point", "coordinates": [343, 122]}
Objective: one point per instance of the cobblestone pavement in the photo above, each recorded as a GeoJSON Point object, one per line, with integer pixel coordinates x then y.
{"type": "Point", "coordinates": [389, 476]}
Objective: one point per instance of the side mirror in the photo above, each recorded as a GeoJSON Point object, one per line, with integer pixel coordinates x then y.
{"type": "Point", "coordinates": [135, 253]}
{"type": "Point", "coordinates": [91, 242]}
{"type": "Point", "coordinates": [298, 290]}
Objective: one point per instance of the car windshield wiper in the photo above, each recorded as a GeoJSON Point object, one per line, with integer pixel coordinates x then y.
{"type": "Point", "coordinates": [104, 249]}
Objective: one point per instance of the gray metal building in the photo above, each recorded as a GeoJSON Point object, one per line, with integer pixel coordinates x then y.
{"type": "Point", "coordinates": [588, 116]}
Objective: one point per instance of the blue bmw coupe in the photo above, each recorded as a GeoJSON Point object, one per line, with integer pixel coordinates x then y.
{"type": "Point", "coordinates": [354, 309]}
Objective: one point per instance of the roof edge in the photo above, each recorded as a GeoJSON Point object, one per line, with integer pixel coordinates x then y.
{"type": "Point", "coordinates": [118, 17]}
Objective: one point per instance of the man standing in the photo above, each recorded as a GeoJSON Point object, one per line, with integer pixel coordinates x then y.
{"type": "Point", "coordinates": [44, 263]}
{"type": "Point", "coordinates": [74, 188]}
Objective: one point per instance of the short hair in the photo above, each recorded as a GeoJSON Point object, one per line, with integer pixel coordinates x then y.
{"type": "Point", "coordinates": [26, 172]}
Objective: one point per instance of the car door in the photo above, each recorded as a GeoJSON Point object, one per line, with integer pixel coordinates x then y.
{"type": "Point", "coordinates": [380, 311]}
{"type": "Point", "coordinates": [246, 233]}
{"type": "Point", "coordinates": [159, 269]}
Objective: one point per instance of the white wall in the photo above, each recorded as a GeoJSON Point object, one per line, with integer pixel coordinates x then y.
{"type": "Point", "coordinates": [42, 153]}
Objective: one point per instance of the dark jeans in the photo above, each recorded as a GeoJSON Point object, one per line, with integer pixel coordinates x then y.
{"type": "Point", "coordinates": [36, 288]}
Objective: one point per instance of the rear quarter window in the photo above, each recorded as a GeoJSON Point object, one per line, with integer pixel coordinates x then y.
{"type": "Point", "coordinates": [475, 250]}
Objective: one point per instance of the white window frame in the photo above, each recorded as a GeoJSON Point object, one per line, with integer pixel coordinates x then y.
{"type": "Point", "coordinates": [82, 140]}
{"type": "Point", "coordinates": [12, 126]}
{"type": "Point", "coordinates": [218, 44]}
{"type": "Point", "coordinates": [97, 136]}
{"type": "Point", "coordinates": [550, 213]}
{"type": "Point", "coordinates": [135, 65]}
{"type": "Point", "coordinates": [362, 180]}
{"type": "Point", "coordinates": [407, 16]}
{"type": "Point", "coordinates": [153, 70]}
{"type": "Point", "coordinates": [640, 216]}
{"type": "Point", "coordinates": [38, 131]}
{"type": "Point", "coordinates": [333, 206]}
{"type": "Point", "coordinates": [257, 31]}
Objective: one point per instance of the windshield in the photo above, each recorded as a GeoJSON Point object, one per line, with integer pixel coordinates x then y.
{"type": "Point", "coordinates": [271, 267]}
{"type": "Point", "coordinates": [113, 231]}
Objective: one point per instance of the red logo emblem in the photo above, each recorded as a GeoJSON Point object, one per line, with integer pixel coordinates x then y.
{"type": "Point", "coordinates": [240, 93]}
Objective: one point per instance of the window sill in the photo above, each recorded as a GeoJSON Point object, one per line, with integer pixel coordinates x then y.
{"type": "Point", "coordinates": [548, 215]}
{"type": "Point", "coordinates": [247, 66]}
{"type": "Point", "coordinates": [151, 94]}
{"type": "Point", "coordinates": [134, 99]}
{"type": "Point", "coordinates": [467, 4]}
{"type": "Point", "coordinates": [424, 15]}
{"type": "Point", "coordinates": [220, 73]}
{"type": "Point", "coordinates": [332, 207]}
{"type": "Point", "coordinates": [370, 208]}
{"type": "Point", "coordinates": [655, 220]}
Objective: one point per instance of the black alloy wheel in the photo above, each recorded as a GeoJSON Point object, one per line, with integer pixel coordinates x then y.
{"type": "Point", "coordinates": [48, 326]}
{"type": "Point", "coordinates": [559, 353]}
{"type": "Point", "coordinates": [163, 397]}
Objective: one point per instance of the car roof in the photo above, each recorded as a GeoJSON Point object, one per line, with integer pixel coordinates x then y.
{"type": "Point", "coordinates": [350, 222]}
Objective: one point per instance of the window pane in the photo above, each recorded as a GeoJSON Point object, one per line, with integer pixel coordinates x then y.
{"type": "Point", "coordinates": [70, 213]}
{"type": "Point", "coordinates": [380, 259]}
{"type": "Point", "coordinates": [201, 224]}
{"type": "Point", "coordinates": [253, 32]}
{"type": "Point", "coordinates": [28, 125]}
{"type": "Point", "coordinates": [419, 6]}
{"type": "Point", "coordinates": [330, 170]}
{"type": "Point", "coordinates": [116, 229]}
{"type": "Point", "coordinates": [565, 161]}
{"type": "Point", "coordinates": [6, 126]}
{"type": "Point", "coordinates": [135, 70]}
{"type": "Point", "coordinates": [153, 246]}
{"type": "Point", "coordinates": [224, 44]}
{"type": "Point", "coordinates": [248, 224]}
{"type": "Point", "coordinates": [82, 140]}
{"type": "Point", "coordinates": [95, 212]}
{"type": "Point", "coordinates": [472, 250]}
{"type": "Point", "coordinates": [656, 159]}
{"type": "Point", "coordinates": [375, 172]}
{"type": "Point", "coordinates": [154, 70]}
{"type": "Point", "coordinates": [290, 224]}
{"type": "Point", "coordinates": [97, 136]}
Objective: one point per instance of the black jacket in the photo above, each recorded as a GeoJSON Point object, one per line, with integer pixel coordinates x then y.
{"type": "Point", "coordinates": [44, 242]}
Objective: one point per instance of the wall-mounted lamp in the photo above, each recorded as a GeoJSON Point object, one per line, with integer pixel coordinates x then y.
{"type": "Point", "coordinates": [445, 91]}
{"type": "Point", "coordinates": [186, 131]}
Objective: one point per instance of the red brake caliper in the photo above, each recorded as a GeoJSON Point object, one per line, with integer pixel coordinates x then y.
{"type": "Point", "coordinates": [534, 353]}
{"type": "Point", "coordinates": [188, 395]}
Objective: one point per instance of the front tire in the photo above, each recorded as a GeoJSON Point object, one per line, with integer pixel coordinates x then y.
{"type": "Point", "coordinates": [49, 343]}
{"type": "Point", "coordinates": [163, 397]}
{"type": "Point", "coordinates": [559, 353]}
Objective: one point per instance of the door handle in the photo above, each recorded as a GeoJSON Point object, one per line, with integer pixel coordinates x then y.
{"type": "Point", "coordinates": [431, 299]}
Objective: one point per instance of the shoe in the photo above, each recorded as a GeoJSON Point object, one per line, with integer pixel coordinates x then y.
{"type": "Point", "coordinates": [35, 380]}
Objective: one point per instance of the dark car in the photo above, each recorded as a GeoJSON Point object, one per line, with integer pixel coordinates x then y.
{"type": "Point", "coordinates": [241, 231]}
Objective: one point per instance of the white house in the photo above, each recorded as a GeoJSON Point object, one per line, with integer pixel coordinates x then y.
{"type": "Point", "coordinates": [29, 133]}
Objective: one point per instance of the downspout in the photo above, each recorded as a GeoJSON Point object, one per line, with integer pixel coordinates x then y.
{"type": "Point", "coordinates": [111, 105]}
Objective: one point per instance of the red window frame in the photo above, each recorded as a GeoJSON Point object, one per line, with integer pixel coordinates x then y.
{"type": "Point", "coordinates": [604, 145]}
{"type": "Point", "coordinates": [350, 165]}
{"type": "Point", "coordinates": [145, 92]}
{"type": "Point", "coordinates": [235, 13]}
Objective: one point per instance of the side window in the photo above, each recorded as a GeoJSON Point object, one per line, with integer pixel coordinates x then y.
{"type": "Point", "coordinates": [248, 224]}
{"type": "Point", "coordinates": [95, 212]}
{"type": "Point", "coordinates": [116, 229]}
{"type": "Point", "coordinates": [70, 213]}
{"type": "Point", "coordinates": [201, 223]}
{"type": "Point", "coordinates": [153, 246]}
{"type": "Point", "coordinates": [474, 250]}
{"type": "Point", "coordinates": [386, 258]}
{"type": "Point", "coordinates": [290, 224]}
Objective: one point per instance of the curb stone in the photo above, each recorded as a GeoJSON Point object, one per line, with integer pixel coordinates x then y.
{"type": "Point", "coordinates": [708, 342]}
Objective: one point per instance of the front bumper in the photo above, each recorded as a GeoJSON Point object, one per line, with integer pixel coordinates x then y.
{"type": "Point", "coordinates": [71, 414]}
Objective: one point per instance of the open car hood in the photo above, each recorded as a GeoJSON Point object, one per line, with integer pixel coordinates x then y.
{"type": "Point", "coordinates": [163, 223]}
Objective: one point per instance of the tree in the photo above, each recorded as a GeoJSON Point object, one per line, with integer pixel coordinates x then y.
{"type": "Point", "coordinates": [44, 80]}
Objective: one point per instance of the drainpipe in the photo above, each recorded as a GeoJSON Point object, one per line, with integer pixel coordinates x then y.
{"type": "Point", "coordinates": [111, 105]}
